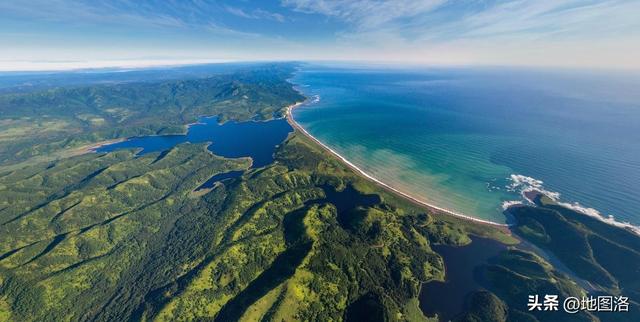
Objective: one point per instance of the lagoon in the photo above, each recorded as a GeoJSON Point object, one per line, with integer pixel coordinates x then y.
{"type": "Point", "coordinates": [447, 298]}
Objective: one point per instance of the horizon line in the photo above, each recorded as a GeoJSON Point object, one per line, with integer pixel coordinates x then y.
{"type": "Point", "coordinates": [124, 65]}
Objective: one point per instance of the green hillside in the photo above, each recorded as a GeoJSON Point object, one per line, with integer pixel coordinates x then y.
{"type": "Point", "coordinates": [606, 256]}
{"type": "Point", "coordinates": [117, 237]}
{"type": "Point", "coordinates": [40, 123]}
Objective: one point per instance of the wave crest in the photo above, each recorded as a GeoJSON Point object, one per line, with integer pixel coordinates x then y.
{"type": "Point", "coordinates": [510, 203]}
{"type": "Point", "coordinates": [524, 184]}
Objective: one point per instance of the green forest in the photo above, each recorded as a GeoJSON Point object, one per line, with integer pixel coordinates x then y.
{"type": "Point", "coordinates": [51, 122]}
{"type": "Point", "coordinates": [120, 237]}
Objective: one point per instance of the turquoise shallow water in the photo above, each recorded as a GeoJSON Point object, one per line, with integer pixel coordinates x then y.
{"type": "Point", "coordinates": [472, 140]}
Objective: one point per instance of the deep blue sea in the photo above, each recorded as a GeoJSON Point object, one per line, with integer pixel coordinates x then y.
{"type": "Point", "coordinates": [472, 140]}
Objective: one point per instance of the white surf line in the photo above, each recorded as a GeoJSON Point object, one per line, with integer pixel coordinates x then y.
{"type": "Point", "coordinates": [379, 182]}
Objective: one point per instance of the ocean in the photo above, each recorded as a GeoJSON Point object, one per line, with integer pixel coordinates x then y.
{"type": "Point", "coordinates": [473, 139]}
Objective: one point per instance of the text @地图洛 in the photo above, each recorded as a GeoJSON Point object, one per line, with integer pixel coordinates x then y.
{"type": "Point", "coordinates": [572, 304]}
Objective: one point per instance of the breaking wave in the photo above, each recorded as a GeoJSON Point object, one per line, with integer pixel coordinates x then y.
{"type": "Point", "coordinates": [510, 203]}
{"type": "Point", "coordinates": [524, 184]}
{"type": "Point", "coordinates": [315, 99]}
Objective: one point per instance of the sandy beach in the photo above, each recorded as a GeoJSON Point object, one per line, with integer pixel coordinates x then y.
{"type": "Point", "coordinates": [432, 207]}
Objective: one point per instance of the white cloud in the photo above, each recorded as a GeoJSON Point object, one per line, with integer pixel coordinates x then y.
{"type": "Point", "coordinates": [571, 33]}
{"type": "Point", "coordinates": [25, 65]}
{"type": "Point", "coordinates": [545, 19]}
{"type": "Point", "coordinates": [419, 21]}
{"type": "Point", "coordinates": [81, 12]}
{"type": "Point", "coordinates": [522, 32]}
{"type": "Point", "coordinates": [365, 14]}
{"type": "Point", "coordinates": [256, 14]}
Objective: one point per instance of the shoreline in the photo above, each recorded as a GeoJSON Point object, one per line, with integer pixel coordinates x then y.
{"type": "Point", "coordinates": [406, 196]}
{"type": "Point", "coordinates": [94, 146]}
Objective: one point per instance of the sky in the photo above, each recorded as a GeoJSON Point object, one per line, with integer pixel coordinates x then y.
{"type": "Point", "coordinates": [63, 34]}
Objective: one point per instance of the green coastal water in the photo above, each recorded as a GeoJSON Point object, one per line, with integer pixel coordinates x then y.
{"type": "Point", "coordinates": [472, 140]}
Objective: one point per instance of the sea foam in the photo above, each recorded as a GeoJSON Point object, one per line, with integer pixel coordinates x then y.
{"type": "Point", "coordinates": [509, 203]}
{"type": "Point", "coordinates": [523, 184]}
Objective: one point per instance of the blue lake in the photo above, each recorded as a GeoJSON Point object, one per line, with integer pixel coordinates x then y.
{"type": "Point", "coordinates": [446, 299]}
{"type": "Point", "coordinates": [257, 140]}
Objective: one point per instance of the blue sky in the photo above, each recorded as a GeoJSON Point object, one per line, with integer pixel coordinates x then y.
{"type": "Point", "coordinates": [39, 34]}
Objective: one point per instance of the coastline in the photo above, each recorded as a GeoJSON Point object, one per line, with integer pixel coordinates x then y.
{"type": "Point", "coordinates": [405, 195]}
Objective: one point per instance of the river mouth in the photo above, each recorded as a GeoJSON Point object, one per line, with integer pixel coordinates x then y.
{"type": "Point", "coordinates": [257, 140]}
{"type": "Point", "coordinates": [446, 299]}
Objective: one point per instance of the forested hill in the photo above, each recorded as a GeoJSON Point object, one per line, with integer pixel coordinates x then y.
{"type": "Point", "coordinates": [41, 122]}
{"type": "Point", "coordinates": [119, 236]}
{"type": "Point", "coordinates": [116, 236]}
